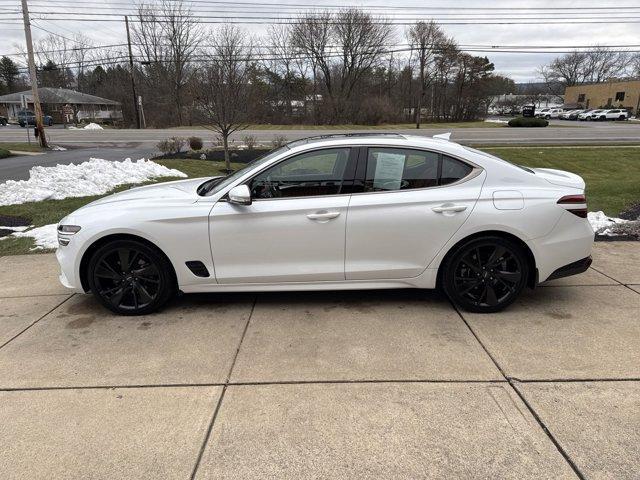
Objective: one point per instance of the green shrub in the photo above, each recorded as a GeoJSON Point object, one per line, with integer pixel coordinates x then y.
{"type": "Point", "coordinates": [528, 122]}
{"type": "Point", "coordinates": [4, 153]}
{"type": "Point", "coordinates": [195, 143]}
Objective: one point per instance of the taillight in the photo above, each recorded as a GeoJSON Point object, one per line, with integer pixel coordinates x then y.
{"type": "Point", "coordinates": [576, 204]}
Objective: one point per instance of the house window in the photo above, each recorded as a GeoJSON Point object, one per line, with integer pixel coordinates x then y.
{"type": "Point", "coordinates": [581, 97]}
{"type": "Point", "coordinates": [619, 96]}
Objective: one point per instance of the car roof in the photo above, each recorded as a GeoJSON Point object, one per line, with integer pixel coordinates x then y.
{"type": "Point", "coordinates": [378, 138]}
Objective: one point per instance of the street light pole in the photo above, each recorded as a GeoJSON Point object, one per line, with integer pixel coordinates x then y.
{"type": "Point", "coordinates": [32, 74]}
{"type": "Point", "coordinates": [133, 80]}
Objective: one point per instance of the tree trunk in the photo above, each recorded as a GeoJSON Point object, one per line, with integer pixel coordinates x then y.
{"type": "Point", "coordinates": [225, 144]}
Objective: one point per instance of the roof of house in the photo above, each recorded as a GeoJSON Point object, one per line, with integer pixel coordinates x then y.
{"type": "Point", "coordinates": [59, 95]}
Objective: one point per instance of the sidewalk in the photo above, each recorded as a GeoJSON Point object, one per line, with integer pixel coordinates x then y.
{"type": "Point", "coordinates": [375, 384]}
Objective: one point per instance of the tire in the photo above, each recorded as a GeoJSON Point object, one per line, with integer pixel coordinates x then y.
{"type": "Point", "coordinates": [472, 281]}
{"type": "Point", "coordinates": [129, 290]}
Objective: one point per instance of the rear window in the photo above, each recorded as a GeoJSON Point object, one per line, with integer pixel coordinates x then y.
{"type": "Point", "coordinates": [488, 155]}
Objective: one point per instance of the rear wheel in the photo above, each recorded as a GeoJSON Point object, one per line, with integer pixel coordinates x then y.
{"type": "Point", "coordinates": [485, 274]}
{"type": "Point", "coordinates": [130, 278]}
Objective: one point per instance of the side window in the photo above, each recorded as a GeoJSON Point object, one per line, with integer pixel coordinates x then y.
{"type": "Point", "coordinates": [400, 169]}
{"type": "Point", "coordinates": [453, 170]}
{"type": "Point", "coordinates": [391, 169]}
{"type": "Point", "coordinates": [314, 173]}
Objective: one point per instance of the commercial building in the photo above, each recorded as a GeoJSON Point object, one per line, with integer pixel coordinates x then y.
{"type": "Point", "coordinates": [612, 94]}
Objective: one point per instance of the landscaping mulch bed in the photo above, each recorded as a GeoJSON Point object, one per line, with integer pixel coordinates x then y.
{"type": "Point", "coordinates": [236, 156]}
{"type": "Point", "coordinates": [13, 221]}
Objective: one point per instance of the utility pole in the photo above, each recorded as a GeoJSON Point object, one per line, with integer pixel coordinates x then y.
{"type": "Point", "coordinates": [34, 79]}
{"type": "Point", "coordinates": [133, 80]}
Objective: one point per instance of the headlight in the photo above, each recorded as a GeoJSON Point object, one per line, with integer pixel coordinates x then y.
{"type": "Point", "coordinates": [68, 229]}
{"type": "Point", "coordinates": [63, 233]}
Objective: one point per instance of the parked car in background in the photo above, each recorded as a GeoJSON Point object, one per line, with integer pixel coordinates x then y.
{"type": "Point", "coordinates": [27, 117]}
{"type": "Point", "coordinates": [573, 114]}
{"type": "Point", "coordinates": [3, 121]}
{"type": "Point", "coordinates": [550, 113]}
{"type": "Point", "coordinates": [335, 212]}
{"type": "Point", "coordinates": [541, 112]}
{"type": "Point", "coordinates": [566, 114]}
{"type": "Point", "coordinates": [615, 114]}
{"type": "Point", "coordinates": [588, 115]}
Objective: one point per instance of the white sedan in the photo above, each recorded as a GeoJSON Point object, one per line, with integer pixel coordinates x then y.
{"type": "Point", "coordinates": [335, 212]}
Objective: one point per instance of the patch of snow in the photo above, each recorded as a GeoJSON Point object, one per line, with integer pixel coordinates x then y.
{"type": "Point", "coordinates": [44, 237]}
{"type": "Point", "coordinates": [495, 120]}
{"type": "Point", "coordinates": [15, 229]}
{"type": "Point", "coordinates": [58, 148]}
{"type": "Point", "coordinates": [94, 177]}
{"type": "Point", "coordinates": [602, 224]}
{"type": "Point", "coordinates": [93, 126]}
{"type": "Point", "coordinates": [203, 157]}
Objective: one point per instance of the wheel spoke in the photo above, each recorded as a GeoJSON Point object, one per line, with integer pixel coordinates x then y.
{"type": "Point", "coordinates": [123, 255]}
{"type": "Point", "coordinates": [469, 286]}
{"type": "Point", "coordinates": [513, 277]}
{"type": "Point", "coordinates": [148, 269]}
{"type": "Point", "coordinates": [145, 297]}
{"type": "Point", "coordinates": [490, 297]}
{"type": "Point", "coordinates": [496, 255]}
{"type": "Point", "coordinates": [104, 270]}
{"type": "Point", "coordinates": [469, 264]}
{"type": "Point", "coordinates": [116, 299]}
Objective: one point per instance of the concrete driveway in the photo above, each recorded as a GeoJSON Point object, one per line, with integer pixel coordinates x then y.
{"type": "Point", "coordinates": [389, 384]}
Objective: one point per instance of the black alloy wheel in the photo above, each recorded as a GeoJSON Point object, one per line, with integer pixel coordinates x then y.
{"type": "Point", "coordinates": [130, 278]}
{"type": "Point", "coordinates": [485, 275]}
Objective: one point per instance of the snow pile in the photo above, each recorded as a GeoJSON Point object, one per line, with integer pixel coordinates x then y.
{"type": "Point", "coordinates": [95, 177]}
{"type": "Point", "coordinates": [602, 224]}
{"type": "Point", "coordinates": [495, 120]}
{"type": "Point", "coordinates": [93, 126]}
{"type": "Point", "coordinates": [58, 148]}
{"type": "Point", "coordinates": [44, 237]}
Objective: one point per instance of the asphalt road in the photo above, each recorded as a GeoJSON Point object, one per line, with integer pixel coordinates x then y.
{"type": "Point", "coordinates": [120, 144]}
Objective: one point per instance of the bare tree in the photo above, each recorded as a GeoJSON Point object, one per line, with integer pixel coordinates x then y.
{"type": "Point", "coordinates": [424, 38]}
{"type": "Point", "coordinates": [223, 88]}
{"type": "Point", "coordinates": [167, 36]}
{"type": "Point", "coordinates": [358, 43]}
{"type": "Point", "coordinates": [578, 67]}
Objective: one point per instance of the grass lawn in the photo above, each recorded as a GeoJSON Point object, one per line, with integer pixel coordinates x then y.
{"type": "Point", "coordinates": [612, 175]}
{"type": "Point", "coordinates": [21, 146]}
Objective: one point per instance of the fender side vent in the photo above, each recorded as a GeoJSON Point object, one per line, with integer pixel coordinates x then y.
{"type": "Point", "coordinates": [197, 268]}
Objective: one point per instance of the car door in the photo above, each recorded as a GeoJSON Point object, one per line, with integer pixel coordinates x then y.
{"type": "Point", "coordinates": [413, 202]}
{"type": "Point", "coordinates": [294, 229]}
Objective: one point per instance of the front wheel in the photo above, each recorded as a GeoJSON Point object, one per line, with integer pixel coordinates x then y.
{"type": "Point", "coordinates": [130, 277]}
{"type": "Point", "coordinates": [485, 275]}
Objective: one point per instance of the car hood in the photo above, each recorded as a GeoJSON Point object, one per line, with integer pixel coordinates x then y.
{"type": "Point", "coordinates": [178, 190]}
{"type": "Point", "coordinates": [560, 177]}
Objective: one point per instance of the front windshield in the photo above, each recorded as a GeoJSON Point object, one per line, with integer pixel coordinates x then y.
{"type": "Point", "coordinates": [214, 185]}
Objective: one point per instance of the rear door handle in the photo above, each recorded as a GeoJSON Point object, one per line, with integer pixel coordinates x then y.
{"type": "Point", "coordinates": [449, 207]}
{"type": "Point", "coordinates": [323, 215]}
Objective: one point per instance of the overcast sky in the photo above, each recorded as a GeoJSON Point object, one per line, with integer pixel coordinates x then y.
{"type": "Point", "coordinates": [521, 67]}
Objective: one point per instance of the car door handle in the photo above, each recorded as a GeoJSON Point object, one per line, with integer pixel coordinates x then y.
{"type": "Point", "coordinates": [323, 215]}
{"type": "Point", "coordinates": [449, 207]}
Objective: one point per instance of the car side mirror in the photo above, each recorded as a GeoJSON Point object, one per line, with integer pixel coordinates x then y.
{"type": "Point", "coordinates": [240, 195]}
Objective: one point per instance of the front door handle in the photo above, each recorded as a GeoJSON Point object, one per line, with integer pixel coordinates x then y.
{"type": "Point", "coordinates": [323, 216]}
{"type": "Point", "coordinates": [449, 207]}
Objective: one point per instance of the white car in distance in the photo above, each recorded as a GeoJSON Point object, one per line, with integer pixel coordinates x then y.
{"type": "Point", "coordinates": [615, 114]}
{"type": "Point", "coordinates": [335, 212]}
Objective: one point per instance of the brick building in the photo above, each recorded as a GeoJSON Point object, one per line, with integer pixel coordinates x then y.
{"type": "Point", "coordinates": [612, 94]}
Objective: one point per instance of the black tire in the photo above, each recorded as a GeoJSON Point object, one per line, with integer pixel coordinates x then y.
{"type": "Point", "coordinates": [129, 290]}
{"type": "Point", "coordinates": [485, 275]}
